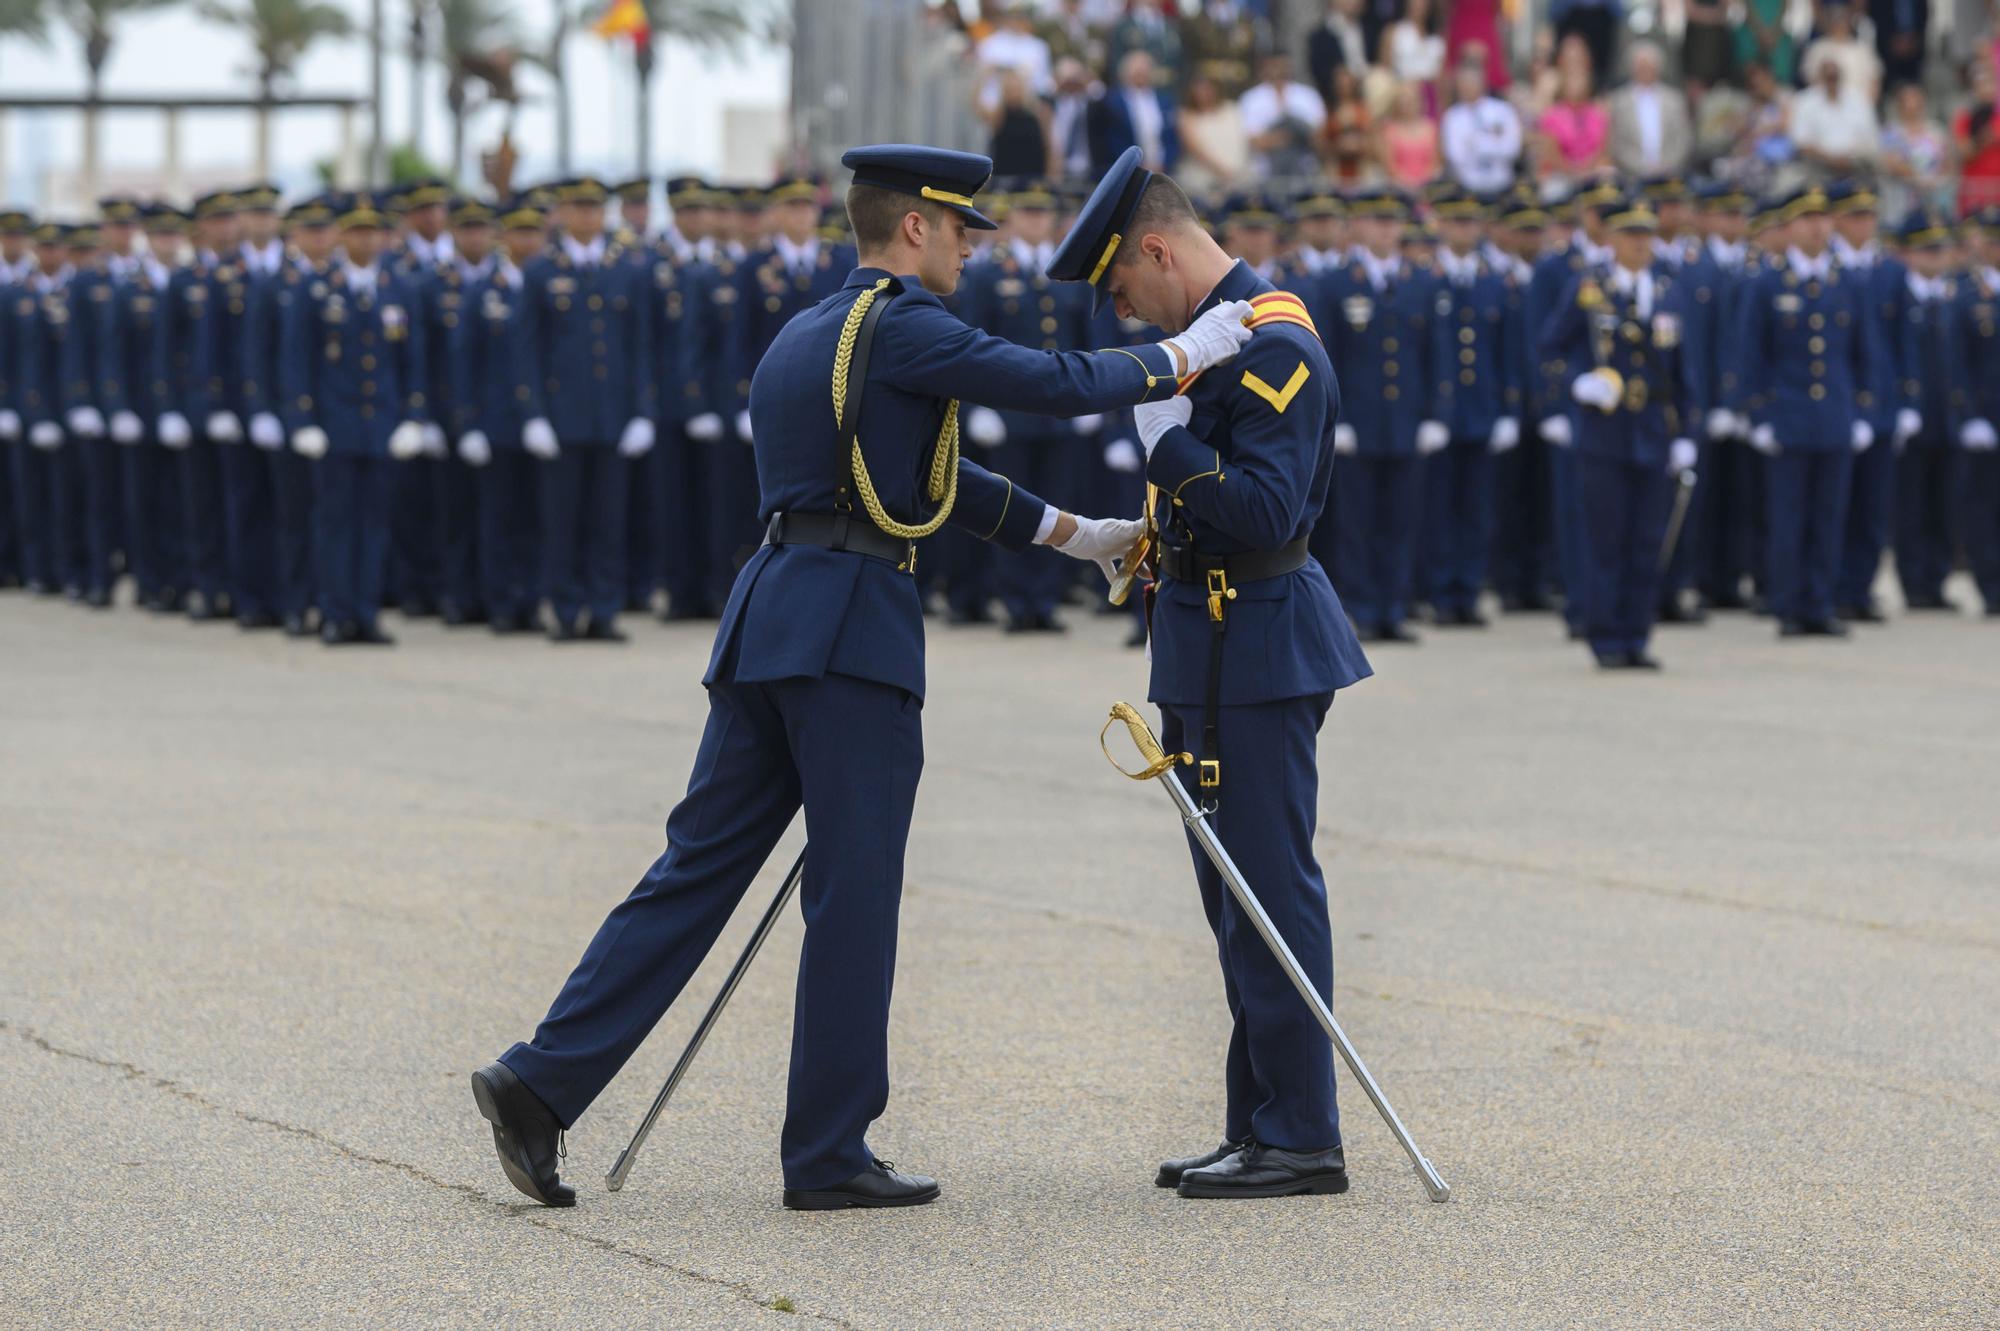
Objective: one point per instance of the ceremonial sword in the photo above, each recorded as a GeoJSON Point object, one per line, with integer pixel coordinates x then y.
{"type": "Point", "coordinates": [1683, 492]}
{"type": "Point", "coordinates": [1160, 765]}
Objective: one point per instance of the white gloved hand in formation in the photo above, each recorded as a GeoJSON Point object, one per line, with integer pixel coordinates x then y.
{"type": "Point", "coordinates": [1681, 456]}
{"type": "Point", "coordinates": [1103, 541]}
{"type": "Point", "coordinates": [1432, 437]}
{"type": "Point", "coordinates": [1090, 424]}
{"type": "Point", "coordinates": [224, 428]}
{"type": "Point", "coordinates": [1977, 435]}
{"type": "Point", "coordinates": [266, 431]}
{"type": "Point", "coordinates": [984, 427]}
{"type": "Point", "coordinates": [1556, 430]}
{"type": "Point", "coordinates": [637, 441]}
{"type": "Point", "coordinates": [1506, 434]}
{"type": "Point", "coordinates": [1862, 435]}
{"type": "Point", "coordinates": [45, 434]}
{"type": "Point", "coordinates": [1765, 440]}
{"type": "Point", "coordinates": [705, 428]}
{"type": "Point", "coordinates": [10, 424]}
{"type": "Point", "coordinates": [743, 425]}
{"type": "Point", "coordinates": [126, 427]}
{"type": "Point", "coordinates": [1722, 423]}
{"type": "Point", "coordinates": [434, 440]}
{"type": "Point", "coordinates": [1153, 419]}
{"type": "Point", "coordinates": [406, 441]}
{"type": "Point", "coordinates": [1214, 337]}
{"type": "Point", "coordinates": [1345, 440]}
{"type": "Point", "coordinates": [539, 438]}
{"type": "Point", "coordinates": [86, 421]}
{"type": "Point", "coordinates": [1908, 425]}
{"type": "Point", "coordinates": [1595, 390]}
{"type": "Point", "coordinates": [1122, 455]}
{"type": "Point", "coordinates": [175, 432]}
{"type": "Point", "coordinates": [310, 442]}
{"type": "Point", "coordinates": [474, 449]}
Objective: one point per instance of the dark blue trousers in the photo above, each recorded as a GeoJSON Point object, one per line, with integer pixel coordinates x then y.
{"type": "Point", "coordinates": [1523, 545]}
{"type": "Point", "coordinates": [93, 498]}
{"type": "Point", "coordinates": [292, 489]}
{"type": "Point", "coordinates": [153, 520]}
{"type": "Point", "coordinates": [1807, 493]}
{"type": "Point", "coordinates": [583, 532]}
{"type": "Point", "coordinates": [1458, 523]}
{"type": "Point", "coordinates": [1625, 506]}
{"type": "Point", "coordinates": [685, 549]}
{"type": "Point", "coordinates": [509, 521]}
{"type": "Point", "coordinates": [69, 526]}
{"type": "Point", "coordinates": [1871, 509]}
{"type": "Point", "coordinates": [733, 535]}
{"type": "Point", "coordinates": [250, 504]}
{"type": "Point", "coordinates": [1727, 518]}
{"type": "Point", "coordinates": [36, 486]}
{"type": "Point", "coordinates": [1571, 549]}
{"type": "Point", "coordinates": [1031, 582]}
{"type": "Point", "coordinates": [352, 512]}
{"type": "Point", "coordinates": [10, 521]}
{"type": "Point", "coordinates": [644, 519]}
{"type": "Point", "coordinates": [1927, 499]}
{"type": "Point", "coordinates": [1981, 524]}
{"type": "Point", "coordinates": [457, 534]}
{"type": "Point", "coordinates": [203, 519]}
{"type": "Point", "coordinates": [1377, 499]}
{"type": "Point", "coordinates": [413, 550]}
{"type": "Point", "coordinates": [848, 750]}
{"type": "Point", "coordinates": [1279, 1069]}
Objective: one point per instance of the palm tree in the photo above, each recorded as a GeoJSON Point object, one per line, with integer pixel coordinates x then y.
{"type": "Point", "coordinates": [25, 18]}
{"type": "Point", "coordinates": [712, 27]}
{"type": "Point", "coordinates": [478, 49]}
{"type": "Point", "coordinates": [279, 32]}
{"type": "Point", "coordinates": [93, 22]}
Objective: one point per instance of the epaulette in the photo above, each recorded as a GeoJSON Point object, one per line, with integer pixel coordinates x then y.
{"type": "Point", "coordinates": [1273, 307]}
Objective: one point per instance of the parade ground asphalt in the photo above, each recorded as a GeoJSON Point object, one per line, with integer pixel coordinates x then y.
{"type": "Point", "coordinates": [1687, 983]}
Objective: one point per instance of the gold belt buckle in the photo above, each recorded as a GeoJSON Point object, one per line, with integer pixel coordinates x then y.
{"type": "Point", "coordinates": [1219, 591]}
{"type": "Point", "coordinates": [1636, 394]}
{"type": "Point", "coordinates": [1211, 773]}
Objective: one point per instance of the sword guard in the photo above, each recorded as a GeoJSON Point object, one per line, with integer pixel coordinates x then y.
{"type": "Point", "coordinates": [1158, 760]}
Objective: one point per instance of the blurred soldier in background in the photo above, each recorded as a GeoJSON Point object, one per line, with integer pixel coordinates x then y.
{"type": "Point", "coordinates": [134, 394]}
{"type": "Point", "coordinates": [1979, 318]}
{"type": "Point", "coordinates": [1929, 350]}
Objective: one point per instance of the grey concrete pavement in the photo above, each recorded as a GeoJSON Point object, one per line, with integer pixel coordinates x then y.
{"type": "Point", "coordinates": [1686, 983]}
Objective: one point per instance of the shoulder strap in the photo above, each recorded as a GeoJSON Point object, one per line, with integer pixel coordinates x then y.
{"type": "Point", "coordinates": [857, 372]}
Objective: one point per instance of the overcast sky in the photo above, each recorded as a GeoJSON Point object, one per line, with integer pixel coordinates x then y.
{"type": "Point", "coordinates": [173, 51]}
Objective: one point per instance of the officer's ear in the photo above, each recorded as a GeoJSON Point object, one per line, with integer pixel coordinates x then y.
{"type": "Point", "coordinates": [1154, 246]}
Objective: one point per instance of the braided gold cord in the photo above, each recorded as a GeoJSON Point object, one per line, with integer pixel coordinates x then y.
{"type": "Point", "coordinates": [944, 463]}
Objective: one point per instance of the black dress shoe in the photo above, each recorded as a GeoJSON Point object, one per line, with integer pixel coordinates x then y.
{"type": "Point", "coordinates": [1826, 628]}
{"type": "Point", "coordinates": [255, 621]}
{"type": "Point", "coordinates": [877, 1185]}
{"type": "Point", "coordinates": [338, 635]}
{"type": "Point", "coordinates": [417, 607]}
{"type": "Point", "coordinates": [1791, 628]}
{"type": "Point", "coordinates": [201, 611]}
{"type": "Point", "coordinates": [1642, 661]}
{"type": "Point", "coordinates": [1024, 625]}
{"type": "Point", "coordinates": [603, 630]}
{"type": "Point", "coordinates": [1614, 660]}
{"type": "Point", "coordinates": [295, 626]}
{"type": "Point", "coordinates": [1469, 617]}
{"type": "Point", "coordinates": [1172, 1170]}
{"type": "Point", "coordinates": [525, 1134]}
{"type": "Point", "coordinates": [1678, 612]}
{"type": "Point", "coordinates": [963, 615]}
{"type": "Point", "coordinates": [371, 635]}
{"type": "Point", "coordinates": [1860, 614]}
{"type": "Point", "coordinates": [561, 632]}
{"type": "Point", "coordinates": [97, 598]}
{"type": "Point", "coordinates": [1048, 623]}
{"type": "Point", "coordinates": [1397, 633]}
{"type": "Point", "coordinates": [502, 625]}
{"type": "Point", "coordinates": [677, 613]}
{"type": "Point", "coordinates": [1267, 1171]}
{"type": "Point", "coordinates": [1137, 637]}
{"type": "Point", "coordinates": [1927, 601]}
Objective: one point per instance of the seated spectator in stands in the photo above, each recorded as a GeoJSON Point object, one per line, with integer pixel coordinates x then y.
{"type": "Point", "coordinates": [1349, 145]}
{"type": "Point", "coordinates": [1833, 125]}
{"type": "Point", "coordinates": [1708, 51]}
{"type": "Point", "coordinates": [1220, 41]}
{"type": "Point", "coordinates": [1215, 150]}
{"type": "Point", "coordinates": [1764, 159]}
{"type": "Point", "coordinates": [1481, 136]}
{"type": "Point", "coordinates": [1762, 39]}
{"type": "Point", "coordinates": [1147, 28]}
{"type": "Point", "coordinates": [1135, 111]}
{"type": "Point", "coordinates": [1917, 155]}
{"type": "Point", "coordinates": [1069, 120]}
{"type": "Point", "coordinates": [1860, 67]}
{"type": "Point", "coordinates": [1407, 142]}
{"type": "Point", "coordinates": [1414, 52]}
{"type": "Point", "coordinates": [1596, 22]}
{"type": "Point", "coordinates": [1283, 118]}
{"type": "Point", "coordinates": [1338, 42]}
{"type": "Point", "coordinates": [1576, 131]}
{"type": "Point", "coordinates": [1017, 128]}
{"type": "Point", "coordinates": [1533, 95]}
{"type": "Point", "coordinates": [1720, 114]}
{"type": "Point", "coordinates": [1651, 133]}
{"type": "Point", "coordinates": [1900, 27]}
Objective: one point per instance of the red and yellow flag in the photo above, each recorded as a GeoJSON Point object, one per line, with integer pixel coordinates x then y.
{"type": "Point", "coordinates": [625, 18]}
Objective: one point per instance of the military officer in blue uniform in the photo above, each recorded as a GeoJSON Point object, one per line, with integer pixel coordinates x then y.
{"type": "Point", "coordinates": [1931, 402]}
{"type": "Point", "coordinates": [1805, 344]}
{"type": "Point", "coordinates": [14, 228]}
{"type": "Point", "coordinates": [1383, 335]}
{"type": "Point", "coordinates": [1621, 329]}
{"type": "Point", "coordinates": [447, 306]}
{"type": "Point", "coordinates": [1524, 542]}
{"type": "Point", "coordinates": [90, 484]}
{"type": "Point", "coordinates": [587, 363]}
{"type": "Point", "coordinates": [1241, 461]}
{"type": "Point", "coordinates": [132, 393]}
{"type": "Point", "coordinates": [44, 492]}
{"type": "Point", "coordinates": [184, 361]}
{"type": "Point", "coordinates": [1479, 401]}
{"type": "Point", "coordinates": [1720, 525]}
{"type": "Point", "coordinates": [690, 320]}
{"type": "Point", "coordinates": [1979, 318]}
{"type": "Point", "coordinates": [351, 370]}
{"type": "Point", "coordinates": [422, 250]}
{"type": "Point", "coordinates": [816, 681]}
{"type": "Point", "coordinates": [1882, 305]}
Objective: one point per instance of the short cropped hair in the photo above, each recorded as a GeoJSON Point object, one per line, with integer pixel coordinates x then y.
{"type": "Point", "coordinates": [876, 214]}
{"type": "Point", "coordinates": [1163, 207]}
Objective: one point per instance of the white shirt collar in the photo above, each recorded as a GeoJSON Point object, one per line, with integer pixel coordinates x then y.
{"type": "Point", "coordinates": [157, 273]}
{"type": "Point", "coordinates": [1380, 271]}
{"type": "Point", "coordinates": [1729, 253]}
{"type": "Point", "coordinates": [430, 251]}
{"type": "Point", "coordinates": [1460, 271]}
{"type": "Point", "coordinates": [469, 272]}
{"type": "Point", "coordinates": [1809, 269]}
{"type": "Point", "coordinates": [1637, 285]}
{"type": "Point", "coordinates": [361, 279]}
{"type": "Point", "coordinates": [1035, 258]}
{"type": "Point", "coordinates": [1855, 256]}
{"type": "Point", "coordinates": [1592, 254]}
{"type": "Point", "coordinates": [265, 258]}
{"type": "Point", "coordinates": [1925, 288]}
{"type": "Point", "coordinates": [587, 256]}
{"type": "Point", "coordinates": [797, 258]}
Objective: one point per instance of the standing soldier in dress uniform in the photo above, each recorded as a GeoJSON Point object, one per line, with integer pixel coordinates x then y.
{"type": "Point", "coordinates": [351, 374]}
{"type": "Point", "coordinates": [1621, 330]}
{"type": "Point", "coordinates": [714, 432]}
{"type": "Point", "coordinates": [247, 246]}
{"type": "Point", "coordinates": [1678, 249]}
{"type": "Point", "coordinates": [1804, 342]}
{"type": "Point", "coordinates": [685, 281]}
{"type": "Point", "coordinates": [447, 307]}
{"type": "Point", "coordinates": [1319, 239]}
{"type": "Point", "coordinates": [1382, 336]}
{"type": "Point", "coordinates": [420, 251]}
{"type": "Point", "coordinates": [1250, 232]}
{"type": "Point", "coordinates": [1479, 401]}
{"type": "Point", "coordinates": [1524, 539]}
{"type": "Point", "coordinates": [644, 515]}
{"type": "Point", "coordinates": [587, 362]}
{"type": "Point", "coordinates": [816, 683]}
{"type": "Point", "coordinates": [1884, 294]}
{"type": "Point", "coordinates": [183, 355]}
{"type": "Point", "coordinates": [1979, 317]}
{"type": "Point", "coordinates": [50, 540]}
{"type": "Point", "coordinates": [1720, 525]}
{"type": "Point", "coordinates": [488, 400]}
{"type": "Point", "coordinates": [14, 263]}
{"type": "Point", "coordinates": [90, 481]}
{"type": "Point", "coordinates": [1931, 404]}
{"type": "Point", "coordinates": [149, 481]}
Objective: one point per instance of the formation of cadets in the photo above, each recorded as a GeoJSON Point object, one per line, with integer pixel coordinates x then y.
{"type": "Point", "coordinates": [1644, 403]}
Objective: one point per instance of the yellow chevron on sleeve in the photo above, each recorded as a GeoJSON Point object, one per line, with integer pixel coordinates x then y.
{"type": "Point", "coordinates": [1279, 398]}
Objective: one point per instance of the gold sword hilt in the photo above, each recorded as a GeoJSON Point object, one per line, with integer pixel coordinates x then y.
{"type": "Point", "coordinates": [1158, 760]}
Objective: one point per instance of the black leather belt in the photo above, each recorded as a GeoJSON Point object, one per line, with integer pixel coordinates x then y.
{"type": "Point", "coordinates": [841, 531]}
{"type": "Point", "coordinates": [1184, 563]}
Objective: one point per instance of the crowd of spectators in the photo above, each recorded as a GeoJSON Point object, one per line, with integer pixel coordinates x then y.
{"type": "Point", "coordinates": [1768, 93]}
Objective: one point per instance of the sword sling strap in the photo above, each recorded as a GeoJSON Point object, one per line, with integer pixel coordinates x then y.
{"type": "Point", "coordinates": [850, 378]}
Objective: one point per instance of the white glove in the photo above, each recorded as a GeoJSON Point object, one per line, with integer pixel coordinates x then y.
{"type": "Point", "coordinates": [1506, 434]}
{"type": "Point", "coordinates": [539, 438]}
{"type": "Point", "coordinates": [1103, 541]}
{"type": "Point", "coordinates": [1345, 440]}
{"type": "Point", "coordinates": [175, 432]}
{"type": "Point", "coordinates": [1089, 425]}
{"type": "Point", "coordinates": [265, 431]}
{"type": "Point", "coordinates": [309, 441]}
{"type": "Point", "coordinates": [1556, 430]}
{"type": "Point", "coordinates": [126, 427]}
{"type": "Point", "coordinates": [1681, 456]}
{"type": "Point", "coordinates": [705, 428]}
{"type": "Point", "coordinates": [1594, 390]}
{"type": "Point", "coordinates": [1765, 440]}
{"type": "Point", "coordinates": [1123, 455]}
{"type": "Point", "coordinates": [224, 428]}
{"type": "Point", "coordinates": [1977, 435]}
{"type": "Point", "coordinates": [1722, 423]}
{"type": "Point", "coordinates": [984, 427]}
{"type": "Point", "coordinates": [1153, 419]}
{"type": "Point", "coordinates": [406, 441]}
{"type": "Point", "coordinates": [86, 421]}
{"type": "Point", "coordinates": [474, 449]}
{"type": "Point", "coordinates": [743, 425]}
{"type": "Point", "coordinates": [1432, 437]}
{"type": "Point", "coordinates": [434, 440]}
{"type": "Point", "coordinates": [45, 434]}
{"type": "Point", "coordinates": [1214, 337]}
{"type": "Point", "coordinates": [10, 423]}
{"type": "Point", "coordinates": [637, 441]}
{"type": "Point", "coordinates": [1862, 435]}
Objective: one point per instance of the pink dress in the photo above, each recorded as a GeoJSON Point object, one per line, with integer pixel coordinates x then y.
{"type": "Point", "coordinates": [1578, 129]}
{"type": "Point", "coordinates": [1477, 21]}
{"type": "Point", "coordinates": [1412, 150]}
